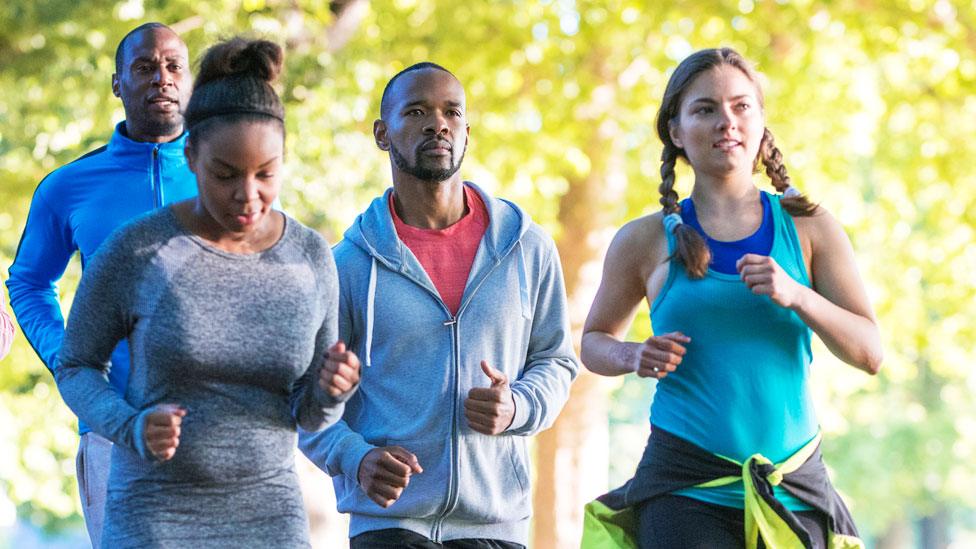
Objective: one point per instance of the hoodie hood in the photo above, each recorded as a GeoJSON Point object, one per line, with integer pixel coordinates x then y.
{"type": "Point", "coordinates": [373, 232]}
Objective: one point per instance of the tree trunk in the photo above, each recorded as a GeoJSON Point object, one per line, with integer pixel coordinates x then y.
{"type": "Point", "coordinates": [571, 458]}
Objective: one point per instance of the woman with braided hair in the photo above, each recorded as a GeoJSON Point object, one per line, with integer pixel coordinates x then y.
{"type": "Point", "coordinates": [736, 279]}
{"type": "Point", "coordinates": [230, 309]}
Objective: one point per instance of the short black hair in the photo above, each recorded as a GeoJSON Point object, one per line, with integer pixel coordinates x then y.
{"type": "Point", "coordinates": [120, 49]}
{"type": "Point", "coordinates": [385, 102]}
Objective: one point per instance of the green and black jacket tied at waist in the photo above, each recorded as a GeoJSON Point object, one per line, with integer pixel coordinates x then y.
{"type": "Point", "coordinates": [671, 463]}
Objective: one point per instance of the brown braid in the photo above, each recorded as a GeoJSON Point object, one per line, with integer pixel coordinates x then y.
{"type": "Point", "coordinates": [690, 249]}
{"type": "Point", "coordinates": [772, 159]}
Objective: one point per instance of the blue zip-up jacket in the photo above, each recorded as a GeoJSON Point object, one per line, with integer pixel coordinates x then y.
{"type": "Point", "coordinates": [420, 361]}
{"type": "Point", "coordinates": [75, 208]}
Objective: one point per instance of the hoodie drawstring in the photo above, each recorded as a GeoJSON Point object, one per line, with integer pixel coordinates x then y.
{"type": "Point", "coordinates": [370, 298]}
{"type": "Point", "coordinates": [523, 285]}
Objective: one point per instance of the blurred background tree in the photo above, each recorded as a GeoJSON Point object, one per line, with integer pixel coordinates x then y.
{"type": "Point", "coordinates": [872, 103]}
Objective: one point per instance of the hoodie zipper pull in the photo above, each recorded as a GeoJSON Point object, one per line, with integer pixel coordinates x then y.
{"type": "Point", "coordinates": [450, 322]}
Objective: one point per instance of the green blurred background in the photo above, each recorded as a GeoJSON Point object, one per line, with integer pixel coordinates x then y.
{"type": "Point", "coordinates": [872, 103]}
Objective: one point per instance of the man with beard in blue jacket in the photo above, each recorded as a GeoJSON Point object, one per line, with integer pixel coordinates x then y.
{"type": "Point", "coordinates": [455, 302]}
{"type": "Point", "coordinates": [77, 206]}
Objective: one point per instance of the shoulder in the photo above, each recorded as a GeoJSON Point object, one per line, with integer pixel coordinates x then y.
{"type": "Point", "coordinates": [642, 236]}
{"type": "Point", "coordinates": [308, 239]}
{"type": "Point", "coordinates": [70, 173]}
{"type": "Point", "coordinates": [820, 231]}
{"type": "Point", "coordinates": [137, 240]}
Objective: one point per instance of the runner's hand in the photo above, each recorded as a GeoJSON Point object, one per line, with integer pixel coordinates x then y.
{"type": "Point", "coordinates": [660, 355]}
{"type": "Point", "coordinates": [162, 430]}
{"type": "Point", "coordinates": [385, 472]}
{"type": "Point", "coordinates": [490, 410]}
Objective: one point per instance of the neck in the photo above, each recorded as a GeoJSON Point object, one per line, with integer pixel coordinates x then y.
{"type": "Point", "coordinates": [196, 219]}
{"type": "Point", "coordinates": [720, 194]}
{"type": "Point", "coordinates": [428, 205]}
{"type": "Point", "coordinates": [149, 138]}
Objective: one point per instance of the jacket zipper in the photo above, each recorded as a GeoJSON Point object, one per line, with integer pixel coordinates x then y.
{"type": "Point", "coordinates": [452, 492]}
{"type": "Point", "coordinates": [154, 179]}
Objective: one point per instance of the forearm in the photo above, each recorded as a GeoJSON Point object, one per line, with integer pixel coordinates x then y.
{"type": "Point", "coordinates": [853, 338]}
{"type": "Point", "coordinates": [88, 394]}
{"type": "Point", "coordinates": [606, 355]}
{"type": "Point", "coordinates": [337, 450]}
{"type": "Point", "coordinates": [541, 393]}
{"type": "Point", "coordinates": [39, 315]}
{"type": "Point", "coordinates": [313, 407]}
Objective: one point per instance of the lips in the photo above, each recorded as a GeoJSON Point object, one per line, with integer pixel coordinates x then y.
{"type": "Point", "coordinates": [436, 145]}
{"type": "Point", "coordinates": [163, 101]}
{"type": "Point", "coordinates": [726, 144]}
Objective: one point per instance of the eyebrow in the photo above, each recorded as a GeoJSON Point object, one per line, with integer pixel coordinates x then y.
{"type": "Point", "coordinates": [173, 57]}
{"type": "Point", "coordinates": [424, 103]}
{"type": "Point", "coordinates": [233, 167]}
{"type": "Point", "coordinates": [711, 101]}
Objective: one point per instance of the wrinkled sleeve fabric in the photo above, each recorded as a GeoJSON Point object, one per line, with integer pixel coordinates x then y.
{"type": "Point", "coordinates": [338, 450]}
{"type": "Point", "coordinates": [45, 248]}
{"type": "Point", "coordinates": [314, 408]}
{"type": "Point", "coordinates": [101, 317]}
{"type": "Point", "coordinates": [551, 363]}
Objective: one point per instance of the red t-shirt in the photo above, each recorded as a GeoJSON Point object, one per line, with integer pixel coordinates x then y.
{"type": "Point", "coordinates": [447, 254]}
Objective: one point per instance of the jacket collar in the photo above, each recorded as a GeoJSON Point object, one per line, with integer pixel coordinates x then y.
{"type": "Point", "coordinates": [136, 154]}
{"type": "Point", "coordinates": [374, 232]}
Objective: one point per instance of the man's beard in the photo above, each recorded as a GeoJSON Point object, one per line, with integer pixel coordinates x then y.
{"type": "Point", "coordinates": [422, 172]}
{"type": "Point", "coordinates": [162, 126]}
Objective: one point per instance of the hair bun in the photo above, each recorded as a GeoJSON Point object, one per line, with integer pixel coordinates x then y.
{"type": "Point", "coordinates": [260, 59]}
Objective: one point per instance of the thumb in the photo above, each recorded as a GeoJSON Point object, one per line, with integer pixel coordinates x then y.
{"type": "Point", "coordinates": [407, 458]}
{"type": "Point", "coordinates": [172, 409]}
{"type": "Point", "coordinates": [497, 378]}
{"type": "Point", "coordinates": [338, 347]}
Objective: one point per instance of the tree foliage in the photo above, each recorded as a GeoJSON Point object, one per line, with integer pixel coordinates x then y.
{"type": "Point", "coordinates": [869, 102]}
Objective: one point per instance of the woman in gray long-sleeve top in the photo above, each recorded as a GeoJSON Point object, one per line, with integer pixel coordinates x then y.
{"type": "Point", "coordinates": [229, 308]}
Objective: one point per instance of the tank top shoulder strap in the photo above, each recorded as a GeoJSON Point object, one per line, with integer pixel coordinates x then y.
{"type": "Point", "coordinates": [670, 222]}
{"type": "Point", "coordinates": [787, 244]}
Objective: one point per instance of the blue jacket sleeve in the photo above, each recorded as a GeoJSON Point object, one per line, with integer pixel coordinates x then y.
{"type": "Point", "coordinates": [45, 249]}
{"type": "Point", "coordinates": [551, 363]}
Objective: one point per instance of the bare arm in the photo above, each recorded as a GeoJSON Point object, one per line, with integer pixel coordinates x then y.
{"type": "Point", "coordinates": [634, 269]}
{"type": "Point", "coordinates": [837, 307]}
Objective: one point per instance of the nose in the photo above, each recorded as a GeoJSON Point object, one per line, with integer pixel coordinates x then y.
{"type": "Point", "coordinates": [162, 76]}
{"type": "Point", "coordinates": [726, 119]}
{"type": "Point", "coordinates": [436, 123]}
{"type": "Point", "coordinates": [247, 190]}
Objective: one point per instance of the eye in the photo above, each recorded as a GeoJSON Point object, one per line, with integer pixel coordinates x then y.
{"type": "Point", "coordinates": [703, 110]}
{"type": "Point", "coordinates": [223, 176]}
{"type": "Point", "coordinates": [175, 68]}
{"type": "Point", "coordinates": [455, 113]}
{"type": "Point", "coordinates": [415, 112]}
{"type": "Point", "coordinates": [743, 106]}
{"type": "Point", "coordinates": [266, 175]}
{"type": "Point", "coordinates": [143, 68]}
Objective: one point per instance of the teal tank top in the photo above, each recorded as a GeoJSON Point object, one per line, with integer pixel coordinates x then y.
{"type": "Point", "coordinates": [741, 388]}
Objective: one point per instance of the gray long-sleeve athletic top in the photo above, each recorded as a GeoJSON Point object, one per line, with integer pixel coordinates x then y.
{"type": "Point", "coordinates": [238, 340]}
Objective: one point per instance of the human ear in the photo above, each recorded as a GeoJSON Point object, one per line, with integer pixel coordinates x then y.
{"type": "Point", "coordinates": [379, 134]}
{"type": "Point", "coordinates": [674, 134]}
{"type": "Point", "coordinates": [116, 91]}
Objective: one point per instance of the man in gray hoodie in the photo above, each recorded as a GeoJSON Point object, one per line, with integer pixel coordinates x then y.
{"type": "Point", "coordinates": [455, 302]}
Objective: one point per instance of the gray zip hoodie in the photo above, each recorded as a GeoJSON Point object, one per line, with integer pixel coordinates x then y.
{"type": "Point", "coordinates": [420, 361]}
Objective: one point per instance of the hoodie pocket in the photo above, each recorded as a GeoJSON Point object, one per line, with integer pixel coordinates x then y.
{"type": "Point", "coordinates": [493, 479]}
{"type": "Point", "coordinates": [426, 492]}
